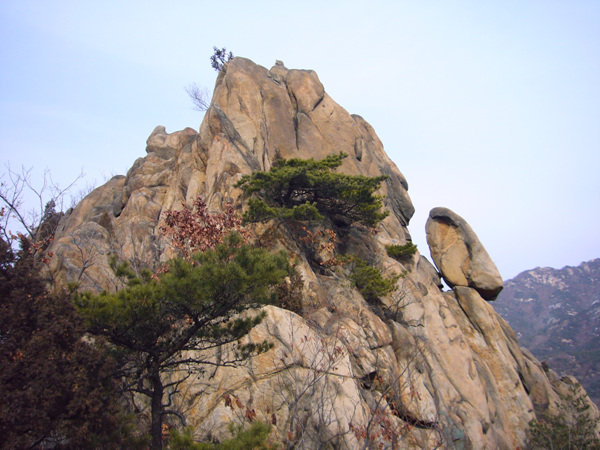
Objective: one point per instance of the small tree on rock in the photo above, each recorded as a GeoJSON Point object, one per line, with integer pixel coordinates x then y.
{"type": "Point", "coordinates": [305, 189]}
{"type": "Point", "coordinates": [219, 58]}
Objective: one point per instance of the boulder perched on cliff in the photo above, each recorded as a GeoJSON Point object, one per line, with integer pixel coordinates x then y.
{"type": "Point", "coordinates": [414, 368]}
{"type": "Point", "coordinates": [459, 255]}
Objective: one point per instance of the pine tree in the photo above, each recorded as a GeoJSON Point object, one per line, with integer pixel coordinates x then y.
{"type": "Point", "coordinates": [172, 324]}
{"type": "Point", "coordinates": [305, 189]}
{"type": "Point", "coordinates": [55, 386]}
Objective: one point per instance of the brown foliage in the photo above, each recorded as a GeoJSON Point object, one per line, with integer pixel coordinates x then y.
{"type": "Point", "coordinates": [289, 292]}
{"type": "Point", "coordinates": [198, 230]}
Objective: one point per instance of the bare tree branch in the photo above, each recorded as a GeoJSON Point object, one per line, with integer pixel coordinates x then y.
{"type": "Point", "coordinates": [15, 187]}
{"type": "Point", "coordinates": [199, 95]}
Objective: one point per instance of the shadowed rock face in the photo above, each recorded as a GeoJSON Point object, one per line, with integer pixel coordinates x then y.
{"type": "Point", "coordinates": [459, 255]}
{"type": "Point", "coordinates": [423, 366]}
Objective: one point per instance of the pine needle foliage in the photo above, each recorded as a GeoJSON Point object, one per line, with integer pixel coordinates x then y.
{"type": "Point", "coordinates": [308, 189]}
{"type": "Point", "coordinates": [219, 58]}
{"type": "Point", "coordinates": [401, 252]}
{"type": "Point", "coordinates": [253, 437]}
{"type": "Point", "coordinates": [369, 280]}
{"type": "Point", "coordinates": [55, 386]}
{"type": "Point", "coordinates": [194, 305]}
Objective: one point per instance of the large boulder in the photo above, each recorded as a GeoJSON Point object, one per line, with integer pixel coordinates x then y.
{"type": "Point", "coordinates": [459, 255]}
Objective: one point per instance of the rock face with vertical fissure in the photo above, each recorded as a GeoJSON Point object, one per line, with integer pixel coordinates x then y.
{"type": "Point", "coordinates": [419, 368]}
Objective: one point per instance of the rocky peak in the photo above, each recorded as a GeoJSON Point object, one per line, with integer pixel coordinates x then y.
{"type": "Point", "coordinates": [419, 368]}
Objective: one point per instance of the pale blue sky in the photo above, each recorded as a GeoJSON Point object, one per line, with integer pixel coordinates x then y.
{"type": "Point", "coordinates": [490, 108]}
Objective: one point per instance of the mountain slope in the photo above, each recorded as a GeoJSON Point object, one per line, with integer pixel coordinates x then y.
{"type": "Point", "coordinates": [556, 315]}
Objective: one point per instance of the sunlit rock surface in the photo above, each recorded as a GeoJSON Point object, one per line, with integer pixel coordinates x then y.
{"type": "Point", "coordinates": [459, 255]}
{"type": "Point", "coordinates": [422, 368]}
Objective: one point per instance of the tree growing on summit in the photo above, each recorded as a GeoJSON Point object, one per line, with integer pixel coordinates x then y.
{"type": "Point", "coordinates": [219, 58]}
{"type": "Point", "coordinates": [170, 325]}
{"type": "Point", "coordinates": [199, 95]}
{"type": "Point", "coordinates": [305, 189]}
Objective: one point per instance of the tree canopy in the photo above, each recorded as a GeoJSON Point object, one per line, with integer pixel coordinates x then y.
{"type": "Point", "coordinates": [307, 189]}
{"type": "Point", "coordinates": [56, 387]}
{"type": "Point", "coordinates": [193, 305]}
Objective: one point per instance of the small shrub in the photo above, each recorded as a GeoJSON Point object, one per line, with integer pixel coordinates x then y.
{"type": "Point", "coordinates": [198, 229]}
{"type": "Point", "coordinates": [289, 292]}
{"type": "Point", "coordinates": [220, 58]}
{"type": "Point", "coordinates": [369, 280]}
{"type": "Point", "coordinates": [558, 432]}
{"type": "Point", "coordinates": [254, 437]}
{"type": "Point", "coordinates": [319, 246]}
{"type": "Point", "coordinates": [401, 252]}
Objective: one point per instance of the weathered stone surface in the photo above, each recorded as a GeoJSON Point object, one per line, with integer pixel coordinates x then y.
{"type": "Point", "coordinates": [433, 368]}
{"type": "Point", "coordinates": [306, 90]}
{"type": "Point", "coordinates": [459, 255]}
{"type": "Point", "coordinates": [286, 382]}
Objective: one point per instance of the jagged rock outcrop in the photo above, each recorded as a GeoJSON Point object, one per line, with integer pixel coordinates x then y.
{"type": "Point", "coordinates": [420, 368]}
{"type": "Point", "coordinates": [459, 255]}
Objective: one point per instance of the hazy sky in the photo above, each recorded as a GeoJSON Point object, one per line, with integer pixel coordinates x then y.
{"type": "Point", "coordinates": [489, 108]}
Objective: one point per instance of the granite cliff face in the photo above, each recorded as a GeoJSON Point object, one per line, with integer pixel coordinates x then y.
{"type": "Point", "coordinates": [423, 368]}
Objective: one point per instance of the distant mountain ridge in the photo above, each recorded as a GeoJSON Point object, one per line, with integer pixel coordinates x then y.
{"type": "Point", "coordinates": [556, 315]}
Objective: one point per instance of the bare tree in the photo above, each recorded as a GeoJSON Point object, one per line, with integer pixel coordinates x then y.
{"type": "Point", "coordinates": [318, 407]}
{"type": "Point", "coordinates": [88, 250]}
{"type": "Point", "coordinates": [199, 95]}
{"type": "Point", "coordinates": [309, 393]}
{"type": "Point", "coordinates": [389, 418]}
{"type": "Point", "coordinates": [28, 208]}
{"type": "Point", "coordinates": [83, 192]}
